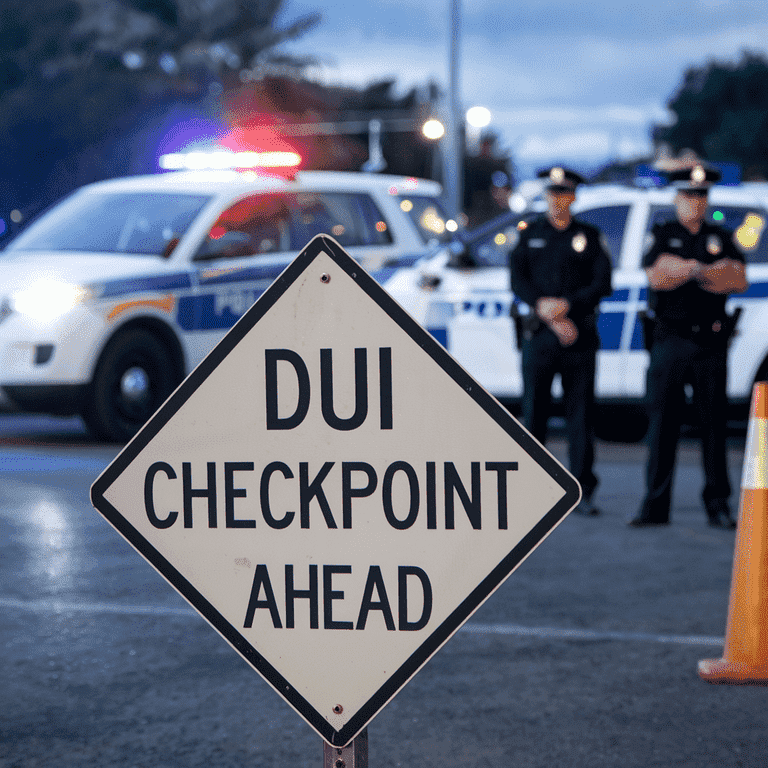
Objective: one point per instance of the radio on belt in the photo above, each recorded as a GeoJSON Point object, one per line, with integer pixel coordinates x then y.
{"type": "Point", "coordinates": [333, 492]}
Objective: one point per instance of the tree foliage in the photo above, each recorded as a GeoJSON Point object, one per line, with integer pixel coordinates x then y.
{"type": "Point", "coordinates": [721, 113]}
{"type": "Point", "coordinates": [78, 76]}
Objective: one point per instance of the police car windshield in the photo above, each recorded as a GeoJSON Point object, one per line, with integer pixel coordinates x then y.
{"type": "Point", "coordinates": [429, 217]}
{"type": "Point", "coordinates": [488, 245]}
{"type": "Point", "coordinates": [120, 222]}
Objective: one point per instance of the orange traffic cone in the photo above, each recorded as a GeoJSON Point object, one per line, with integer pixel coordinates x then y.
{"type": "Point", "coordinates": [745, 655]}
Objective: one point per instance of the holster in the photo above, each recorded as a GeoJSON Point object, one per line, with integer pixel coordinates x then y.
{"type": "Point", "coordinates": [647, 323]}
{"type": "Point", "coordinates": [526, 324]}
{"type": "Point", "coordinates": [730, 323]}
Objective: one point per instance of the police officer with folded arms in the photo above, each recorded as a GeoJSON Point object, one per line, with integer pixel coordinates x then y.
{"type": "Point", "coordinates": [692, 266]}
{"type": "Point", "coordinates": [561, 269]}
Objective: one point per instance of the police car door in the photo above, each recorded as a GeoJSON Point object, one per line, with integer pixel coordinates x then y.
{"type": "Point", "coordinates": [744, 212]}
{"type": "Point", "coordinates": [256, 238]}
{"type": "Point", "coordinates": [244, 251]}
{"type": "Point", "coordinates": [617, 311]}
{"type": "Point", "coordinates": [748, 355]}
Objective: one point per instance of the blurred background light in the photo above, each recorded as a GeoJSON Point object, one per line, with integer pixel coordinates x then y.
{"type": "Point", "coordinates": [433, 129]}
{"type": "Point", "coordinates": [478, 117]}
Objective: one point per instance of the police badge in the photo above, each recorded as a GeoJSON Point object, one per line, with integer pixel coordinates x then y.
{"type": "Point", "coordinates": [714, 245]}
{"type": "Point", "coordinates": [579, 242]}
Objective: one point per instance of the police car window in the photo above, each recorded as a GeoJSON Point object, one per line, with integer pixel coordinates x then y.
{"type": "Point", "coordinates": [660, 214]}
{"type": "Point", "coordinates": [747, 224]}
{"type": "Point", "coordinates": [376, 225]}
{"type": "Point", "coordinates": [100, 222]}
{"type": "Point", "coordinates": [255, 225]}
{"type": "Point", "coordinates": [335, 214]}
{"type": "Point", "coordinates": [493, 249]}
{"type": "Point", "coordinates": [428, 215]}
{"type": "Point", "coordinates": [748, 227]}
{"type": "Point", "coordinates": [272, 223]}
{"type": "Point", "coordinates": [611, 221]}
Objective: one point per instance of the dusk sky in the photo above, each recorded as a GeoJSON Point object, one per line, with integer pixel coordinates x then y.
{"type": "Point", "coordinates": [565, 82]}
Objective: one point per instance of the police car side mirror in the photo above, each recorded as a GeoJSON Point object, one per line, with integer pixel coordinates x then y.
{"type": "Point", "coordinates": [228, 245]}
{"type": "Point", "coordinates": [170, 247]}
{"type": "Point", "coordinates": [460, 257]}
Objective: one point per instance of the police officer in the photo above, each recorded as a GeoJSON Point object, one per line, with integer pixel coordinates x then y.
{"type": "Point", "coordinates": [561, 269]}
{"type": "Point", "coordinates": [691, 266]}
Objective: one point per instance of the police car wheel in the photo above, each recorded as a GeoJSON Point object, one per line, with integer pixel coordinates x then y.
{"type": "Point", "coordinates": [132, 380]}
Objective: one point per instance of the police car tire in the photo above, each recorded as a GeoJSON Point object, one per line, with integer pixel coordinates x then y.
{"type": "Point", "coordinates": [108, 414]}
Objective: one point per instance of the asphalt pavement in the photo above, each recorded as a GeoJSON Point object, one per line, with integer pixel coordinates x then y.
{"type": "Point", "coordinates": [585, 658]}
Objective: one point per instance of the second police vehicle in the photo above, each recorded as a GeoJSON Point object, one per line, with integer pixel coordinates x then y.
{"type": "Point", "coordinates": [461, 294]}
{"type": "Point", "coordinates": [111, 298]}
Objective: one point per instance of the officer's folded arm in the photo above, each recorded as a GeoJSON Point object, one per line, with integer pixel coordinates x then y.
{"type": "Point", "coordinates": [669, 272]}
{"type": "Point", "coordinates": [724, 276]}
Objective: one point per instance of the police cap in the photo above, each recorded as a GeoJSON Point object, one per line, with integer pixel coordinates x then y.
{"type": "Point", "coordinates": [697, 179]}
{"type": "Point", "coordinates": [559, 179]}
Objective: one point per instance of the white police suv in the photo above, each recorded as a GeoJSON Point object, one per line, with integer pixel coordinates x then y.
{"type": "Point", "coordinates": [108, 300]}
{"type": "Point", "coordinates": [462, 295]}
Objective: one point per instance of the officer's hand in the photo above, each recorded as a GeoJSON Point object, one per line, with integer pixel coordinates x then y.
{"type": "Point", "coordinates": [565, 330]}
{"type": "Point", "coordinates": [724, 276]}
{"type": "Point", "coordinates": [549, 308]}
{"type": "Point", "coordinates": [669, 272]}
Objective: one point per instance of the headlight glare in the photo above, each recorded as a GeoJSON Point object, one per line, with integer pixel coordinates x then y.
{"type": "Point", "coordinates": [47, 300]}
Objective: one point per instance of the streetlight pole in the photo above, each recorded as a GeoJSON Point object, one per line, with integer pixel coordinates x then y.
{"type": "Point", "coordinates": [453, 156]}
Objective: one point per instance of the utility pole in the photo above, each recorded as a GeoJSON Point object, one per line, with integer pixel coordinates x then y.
{"type": "Point", "coordinates": [453, 155]}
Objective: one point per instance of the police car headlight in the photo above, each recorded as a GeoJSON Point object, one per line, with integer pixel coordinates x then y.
{"type": "Point", "coordinates": [47, 300]}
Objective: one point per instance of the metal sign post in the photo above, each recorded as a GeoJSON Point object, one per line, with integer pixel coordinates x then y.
{"type": "Point", "coordinates": [354, 755]}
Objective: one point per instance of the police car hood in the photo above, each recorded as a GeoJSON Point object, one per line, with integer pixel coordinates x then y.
{"type": "Point", "coordinates": [19, 269]}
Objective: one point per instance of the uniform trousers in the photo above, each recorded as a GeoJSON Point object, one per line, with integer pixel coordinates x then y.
{"type": "Point", "coordinates": [542, 357]}
{"type": "Point", "coordinates": [675, 362]}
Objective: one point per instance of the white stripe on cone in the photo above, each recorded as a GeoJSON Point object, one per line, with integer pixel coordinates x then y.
{"type": "Point", "coordinates": [755, 472]}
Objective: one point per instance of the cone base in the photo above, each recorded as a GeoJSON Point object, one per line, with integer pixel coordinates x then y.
{"type": "Point", "coordinates": [732, 672]}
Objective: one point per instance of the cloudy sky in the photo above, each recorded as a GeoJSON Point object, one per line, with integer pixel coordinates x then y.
{"type": "Point", "coordinates": [573, 82]}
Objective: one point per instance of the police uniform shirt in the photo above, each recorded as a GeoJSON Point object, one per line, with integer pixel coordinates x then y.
{"type": "Point", "coordinates": [690, 304]}
{"type": "Point", "coordinates": [572, 264]}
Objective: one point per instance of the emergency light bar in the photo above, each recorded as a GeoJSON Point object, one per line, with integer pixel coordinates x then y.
{"type": "Point", "coordinates": [199, 161]}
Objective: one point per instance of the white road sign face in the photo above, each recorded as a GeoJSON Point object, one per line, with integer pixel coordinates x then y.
{"type": "Point", "coordinates": [333, 492]}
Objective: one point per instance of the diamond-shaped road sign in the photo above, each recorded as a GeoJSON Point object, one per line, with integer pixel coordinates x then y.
{"type": "Point", "coordinates": [333, 492]}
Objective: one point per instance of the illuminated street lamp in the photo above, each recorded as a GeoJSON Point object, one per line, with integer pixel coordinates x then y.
{"type": "Point", "coordinates": [433, 129]}
{"type": "Point", "coordinates": [477, 118]}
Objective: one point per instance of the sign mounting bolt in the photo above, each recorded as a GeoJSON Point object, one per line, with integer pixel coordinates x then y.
{"type": "Point", "coordinates": [325, 278]}
{"type": "Point", "coordinates": [338, 709]}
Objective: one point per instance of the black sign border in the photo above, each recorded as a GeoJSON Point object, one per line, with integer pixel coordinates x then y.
{"type": "Point", "coordinates": [318, 245]}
